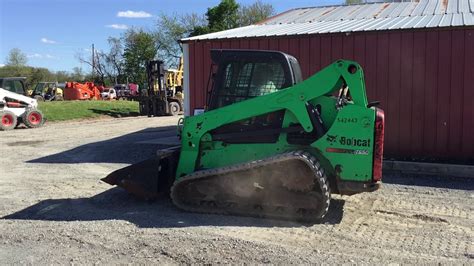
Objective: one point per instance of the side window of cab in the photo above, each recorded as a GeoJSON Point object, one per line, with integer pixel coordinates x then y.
{"type": "Point", "coordinates": [8, 85]}
{"type": "Point", "coordinates": [18, 85]}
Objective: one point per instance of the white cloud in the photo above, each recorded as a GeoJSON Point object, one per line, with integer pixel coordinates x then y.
{"type": "Point", "coordinates": [117, 26]}
{"type": "Point", "coordinates": [46, 40]}
{"type": "Point", "coordinates": [2, 65]}
{"type": "Point", "coordinates": [133, 14]}
{"type": "Point", "coordinates": [36, 55]}
{"type": "Point", "coordinates": [42, 56]}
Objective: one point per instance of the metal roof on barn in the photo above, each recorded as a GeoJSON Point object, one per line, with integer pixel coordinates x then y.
{"type": "Point", "coordinates": [356, 18]}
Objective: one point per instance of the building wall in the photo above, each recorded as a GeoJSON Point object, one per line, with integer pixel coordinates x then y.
{"type": "Point", "coordinates": [424, 80]}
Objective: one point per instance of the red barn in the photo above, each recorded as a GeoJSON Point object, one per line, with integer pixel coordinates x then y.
{"type": "Point", "coordinates": [418, 59]}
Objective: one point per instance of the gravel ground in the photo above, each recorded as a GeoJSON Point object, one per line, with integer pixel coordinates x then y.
{"type": "Point", "coordinates": [54, 210]}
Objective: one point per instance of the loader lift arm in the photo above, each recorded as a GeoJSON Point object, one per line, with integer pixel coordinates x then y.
{"type": "Point", "coordinates": [342, 73]}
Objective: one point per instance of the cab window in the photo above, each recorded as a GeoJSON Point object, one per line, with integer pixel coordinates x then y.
{"type": "Point", "coordinates": [13, 86]}
{"type": "Point", "coordinates": [18, 87]}
{"type": "Point", "coordinates": [244, 80]}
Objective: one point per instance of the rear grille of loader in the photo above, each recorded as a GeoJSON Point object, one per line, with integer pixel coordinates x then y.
{"type": "Point", "coordinates": [378, 147]}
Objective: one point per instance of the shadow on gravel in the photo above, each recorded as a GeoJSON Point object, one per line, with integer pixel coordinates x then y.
{"type": "Point", "coordinates": [115, 204]}
{"type": "Point", "coordinates": [117, 113]}
{"type": "Point", "coordinates": [462, 183]}
{"type": "Point", "coordinates": [123, 149]}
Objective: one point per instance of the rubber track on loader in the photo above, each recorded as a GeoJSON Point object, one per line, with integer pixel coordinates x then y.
{"type": "Point", "coordinates": [288, 186]}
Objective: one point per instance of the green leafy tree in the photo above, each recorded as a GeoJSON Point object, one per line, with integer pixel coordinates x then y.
{"type": "Point", "coordinates": [15, 71]}
{"type": "Point", "coordinates": [9, 71]}
{"type": "Point", "coordinates": [254, 13]}
{"type": "Point", "coordinates": [228, 14]}
{"type": "Point", "coordinates": [139, 47]}
{"type": "Point", "coordinates": [224, 16]}
{"type": "Point", "coordinates": [39, 74]}
{"type": "Point", "coordinates": [76, 75]}
{"type": "Point", "coordinates": [171, 29]}
{"type": "Point", "coordinates": [64, 76]}
{"type": "Point", "coordinates": [33, 74]}
{"type": "Point", "coordinates": [16, 58]}
{"type": "Point", "coordinates": [114, 61]}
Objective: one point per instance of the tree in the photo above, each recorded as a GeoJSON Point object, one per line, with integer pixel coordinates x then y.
{"type": "Point", "coordinates": [34, 74]}
{"type": "Point", "coordinates": [125, 59]}
{"type": "Point", "coordinates": [224, 16]}
{"type": "Point", "coordinates": [16, 58]}
{"type": "Point", "coordinates": [96, 63]}
{"type": "Point", "coordinates": [171, 29]}
{"type": "Point", "coordinates": [108, 66]}
{"type": "Point", "coordinates": [77, 74]}
{"type": "Point", "coordinates": [139, 47]}
{"type": "Point", "coordinates": [64, 76]}
{"type": "Point", "coordinates": [228, 15]}
{"type": "Point", "coordinates": [114, 60]}
{"type": "Point", "coordinates": [254, 13]}
{"type": "Point", "coordinates": [39, 74]}
{"type": "Point", "coordinates": [174, 27]}
{"type": "Point", "coordinates": [16, 71]}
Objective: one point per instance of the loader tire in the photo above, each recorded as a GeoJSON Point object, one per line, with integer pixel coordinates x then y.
{"type": "Point", "coordinates": [8, 120]}
{"type": "Point", "coordinates": [33, 118]}
{"type": "Point", "coordinates": [174, 108]}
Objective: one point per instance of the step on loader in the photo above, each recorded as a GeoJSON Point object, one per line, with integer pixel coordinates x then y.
{"type": "Point", "coordinates": [269, 144]}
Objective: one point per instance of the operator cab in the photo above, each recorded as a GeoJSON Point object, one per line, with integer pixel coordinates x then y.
{"type": "Point", "coordinates": [245, 74]}
{"type": "Point", "coordinates": [14, 84]}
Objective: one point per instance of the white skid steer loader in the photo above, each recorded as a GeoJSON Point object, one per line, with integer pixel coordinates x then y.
{"type": "Point", "coordinates": [16, 108]}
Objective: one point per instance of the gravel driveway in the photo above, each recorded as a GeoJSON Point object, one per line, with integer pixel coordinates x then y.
{"type": "Point", "coordinates": [54, 210]}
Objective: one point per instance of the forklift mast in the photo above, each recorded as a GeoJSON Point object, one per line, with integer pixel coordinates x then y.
{"type": "Point", "coordinates": [156, 75]}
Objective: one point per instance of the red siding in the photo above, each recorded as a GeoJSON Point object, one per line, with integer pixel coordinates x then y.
{"type": "Point", "coordinates": [468, 96]}
{"type": "Point", "coordinates": [305, 60]}
{"type": "Point", "coordinates": [456, 96]}
{"type": "Point", "coordinates": [431, 93]}
{"type": "Point", "coordinates": [389, 84]}
{"type": "Point", "coordinates": [418, 93]}
{"type": "Point", "coordinates": [369, 42]}
{"type": "Point", "coordinates": [314, 54]}
{"type": "Point", "coordinates": [423, 79]}
{"type": "Point", "coordinates": [444, 83]}
{"type": "Point", "coordinates": [405, 94]}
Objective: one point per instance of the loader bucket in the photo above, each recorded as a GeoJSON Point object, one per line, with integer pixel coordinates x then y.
{"type": "Point", "coordinates": [148, 179]}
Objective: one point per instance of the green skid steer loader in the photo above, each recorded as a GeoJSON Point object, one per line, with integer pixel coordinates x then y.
{"type": "Point", "coordinates": [269, 144]}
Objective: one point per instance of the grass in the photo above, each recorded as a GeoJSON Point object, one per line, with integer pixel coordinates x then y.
{"type": "Point", "coordinates": [68, 110]}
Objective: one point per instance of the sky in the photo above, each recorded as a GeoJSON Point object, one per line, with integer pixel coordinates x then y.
{"type": "Point", "coordinates": [53, 32]}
